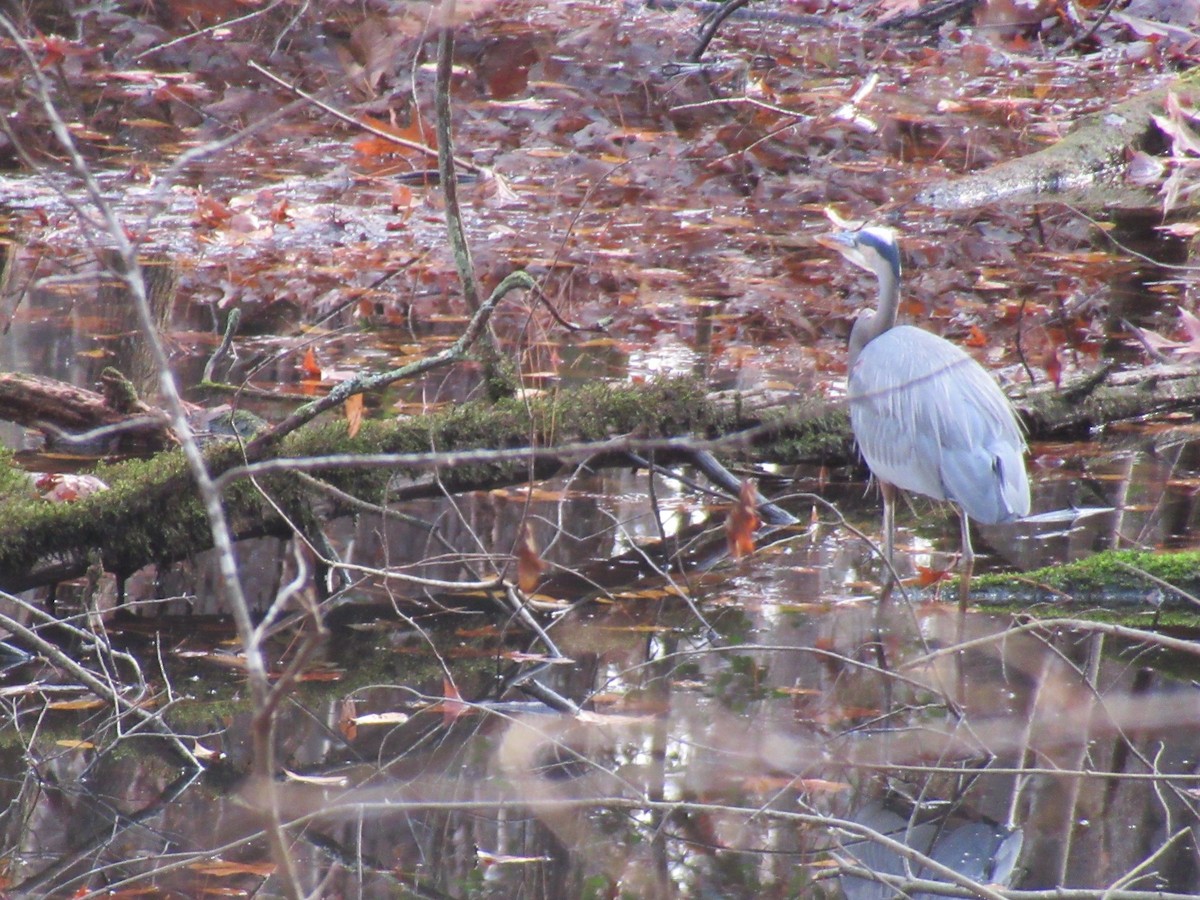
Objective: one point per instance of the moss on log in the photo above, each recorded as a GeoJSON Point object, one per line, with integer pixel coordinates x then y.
{"type": "Point", "coordinates": [152, 514]}
{"type": "Point", "coordinates": [1114, 583]}
{"type": "Point", "coordinates": [1092, 402]}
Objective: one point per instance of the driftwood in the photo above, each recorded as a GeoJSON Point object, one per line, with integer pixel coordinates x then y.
{"type": "Point", "coordinates": [62, 412]}
{"type": "Point", "coordinates": [1091, 158]}
{"type": "Point", "coordinates": [151, 514]}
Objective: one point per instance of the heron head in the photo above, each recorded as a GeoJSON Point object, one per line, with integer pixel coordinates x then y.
{"type": "Point", "coordinates": [873, 247]}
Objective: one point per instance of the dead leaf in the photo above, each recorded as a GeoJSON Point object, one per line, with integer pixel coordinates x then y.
{"type": "Point", "coordinates": [1186, 351]}
{"type": "Point", "coordinates": [223, 868]}
{"type": "Point", "coordinates": [347, 723]}
{"type": "Point", "coordinates": [530, 564]}
{"type": "Point", "coordinates": [453, 706]}
{"type": "Point", "coordinates": [927, 576]}
{"type": "Point", "coordinates": [354, 414]}
{"type": "Point", "coordinates": [387, 718]}
{"type": "Point", "coordinates": [324, 780]}
{"type": "Point", "coordinates": [64, 487]}
{"type": "Point", "coordinates": [743, 520]}
{"type": "Point", "coordinates": [309, 366]}
{"type": "Point", "coordinates": [75, 704]}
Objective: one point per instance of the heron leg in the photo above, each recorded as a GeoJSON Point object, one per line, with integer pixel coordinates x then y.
{"type": "Point", "coordinates": [967, 564]}
{"type": "Point", "coordinates": [889, 536]}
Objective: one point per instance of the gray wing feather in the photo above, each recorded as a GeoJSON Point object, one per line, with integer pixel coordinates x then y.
{"type": "Point", "coordinates": [930, 419]}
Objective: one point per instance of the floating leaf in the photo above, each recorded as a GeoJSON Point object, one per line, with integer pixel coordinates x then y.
{"type": "Point", "coordinates": [88, 703]}
{"type": "Point", "coordinates": [325, 780]}
{"type": "Point", "coordinates": [452, 707]}
{"type": "Point", "coordinates": [347, 723]}
{"type": "Point", "coordinates": [387, 718]}
{"type": "Point", "coordinates": [223, 868]}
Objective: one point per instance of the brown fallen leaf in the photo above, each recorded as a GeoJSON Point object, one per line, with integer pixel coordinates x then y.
{"type": "Point", "coordinates": [530, 564]}
{"type": "Point", "coordinates": [743, 520]}
{"type": "Point", "coordinates": [347, 722]}
{"type": "Point", "coordinates": [65, 487]}
{"type": "Point", "coordinates": [354, 414]}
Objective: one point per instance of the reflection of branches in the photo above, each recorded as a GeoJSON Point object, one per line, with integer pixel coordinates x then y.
{"type": "Point", "coordinates": [1049, 626]}
{"type": "Point", "coordinates": [101, 687]}
{"type": "Point", "coordinates": [103, 835]}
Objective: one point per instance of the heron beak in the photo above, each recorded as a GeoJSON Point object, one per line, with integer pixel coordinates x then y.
{"type": "Point", "coordinates": [841, 241]}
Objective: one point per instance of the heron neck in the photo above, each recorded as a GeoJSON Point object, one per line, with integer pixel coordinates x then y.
{"type": "Point", "coordinates": [872, 325]}
{"type": "Point", "coordinates": [889, 301]}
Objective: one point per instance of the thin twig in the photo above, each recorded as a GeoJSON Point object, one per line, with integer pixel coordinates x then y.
{"type": "Point", "coordinates": [358, 123]}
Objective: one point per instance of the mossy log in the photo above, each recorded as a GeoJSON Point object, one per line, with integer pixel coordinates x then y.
{"type": "Point", "coordinates": [151, 513]}
{"type": "Point", "coordinates": [1090, 161]}
{"type": "Point", "coordinates": [1093, 401]}
{"type": "Point", "coordinates": [58, 408]}
{"type": "Point", "coordinates": [1134, 585]}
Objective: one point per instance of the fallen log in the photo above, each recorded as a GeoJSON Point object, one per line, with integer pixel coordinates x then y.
{"type": "Point", "coordinates": [151, 513]}
{"type": "Point", "coordinates": [121, 423]}
{"type": "Point", "coordinates": [1091, 159]}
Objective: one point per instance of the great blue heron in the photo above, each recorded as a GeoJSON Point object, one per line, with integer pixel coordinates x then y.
{"type": "Point", "coordinates": [927, 417]}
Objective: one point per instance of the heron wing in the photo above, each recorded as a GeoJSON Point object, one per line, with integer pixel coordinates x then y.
{"type": "Point", "coordinates": [930, 419]}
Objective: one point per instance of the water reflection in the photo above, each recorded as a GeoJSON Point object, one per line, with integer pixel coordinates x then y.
{"type": "Point", "coordinates": [728, 769]}
{"type": "Point", "coordinates": [746, 758]}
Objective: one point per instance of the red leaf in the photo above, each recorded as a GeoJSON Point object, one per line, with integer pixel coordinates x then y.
{"type": "Point", "coordinates": [1053, 367]}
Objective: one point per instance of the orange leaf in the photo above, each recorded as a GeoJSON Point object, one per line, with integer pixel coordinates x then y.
{"type": "Point", "coordinates": [743, 519]}
{"type": "Point", "coordinates": [76, 704]}
{"type": "Point", "coordinates": [976, 338]}
{"type": "Point", "coordinates": [530, 564]}
{"type": "Point", "coordinates": [354, 414]}
{"type": "Point", "coordinates": [926, 576]}
{"type": "Point", "coordinates": [222, 868]}
{"type": "Point", "coordinates": [310, 367]}
{"type": "Point", "coordinates": [402, 201]}
{"type": "Point", "coordinates": [416, 132]}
